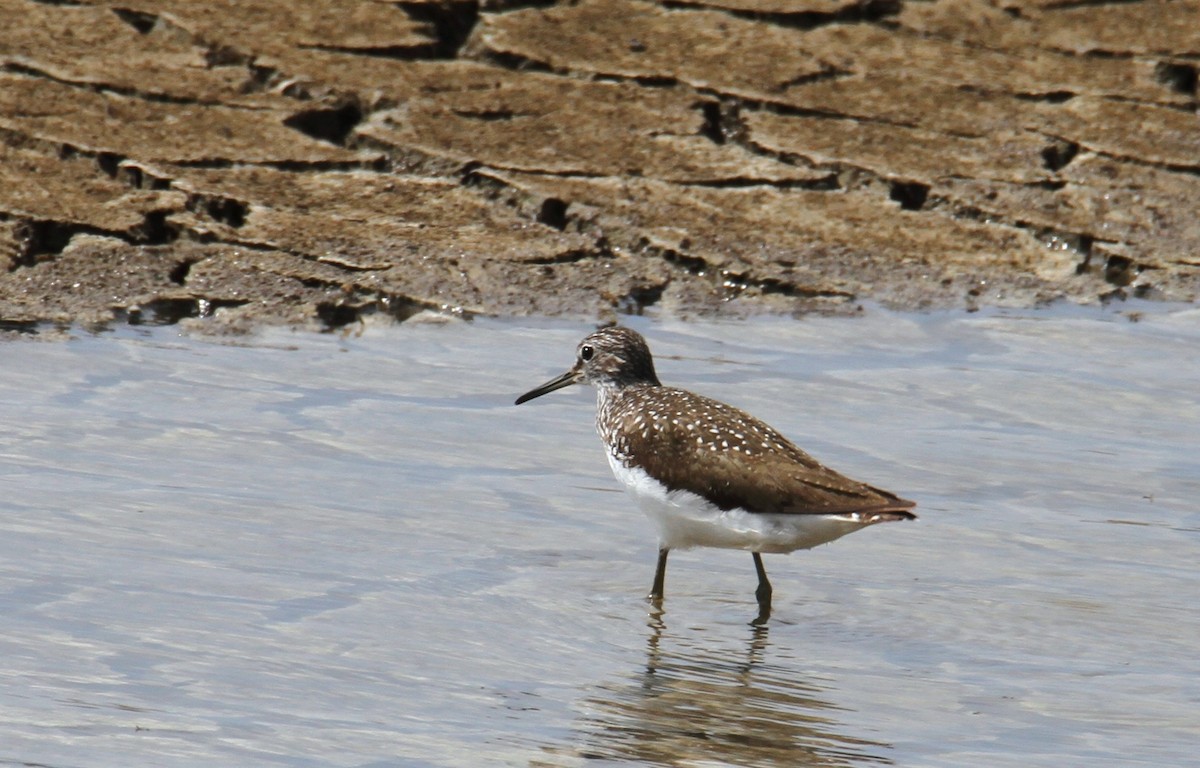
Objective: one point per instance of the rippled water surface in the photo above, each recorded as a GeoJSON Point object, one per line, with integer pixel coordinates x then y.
{"type": "Point", "coordinates": [311, 550]}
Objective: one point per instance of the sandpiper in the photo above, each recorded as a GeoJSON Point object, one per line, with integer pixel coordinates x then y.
{"type": "Point", "coordinates": [708, 474]}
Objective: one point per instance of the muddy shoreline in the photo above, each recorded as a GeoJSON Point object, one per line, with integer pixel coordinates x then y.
{"type": "Point", "coordinates": [251, 163]}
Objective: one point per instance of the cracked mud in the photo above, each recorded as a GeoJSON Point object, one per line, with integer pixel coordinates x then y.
{"type": "Point", "coordinates": [275, 162]}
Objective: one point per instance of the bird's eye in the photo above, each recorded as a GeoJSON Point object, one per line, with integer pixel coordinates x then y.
{"type": "Point", "coordinates": [586, 352]}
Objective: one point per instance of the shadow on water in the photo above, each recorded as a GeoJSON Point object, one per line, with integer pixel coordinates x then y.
{"type": "Point", "coordinates": [718, 704]}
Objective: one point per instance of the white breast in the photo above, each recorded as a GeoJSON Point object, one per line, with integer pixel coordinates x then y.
{"type": "Point", "coordinates": [686, 520]}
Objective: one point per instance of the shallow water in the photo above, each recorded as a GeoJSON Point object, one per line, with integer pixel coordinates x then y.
{"type": "Point", "coordinates": [354, 551]}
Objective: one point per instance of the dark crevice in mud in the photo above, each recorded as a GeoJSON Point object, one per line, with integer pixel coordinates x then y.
{"type": "Point", "coordinates": [1116, 294]}
{"type": "Point", "coordinates": [340, 313]}
{"type": "Point", "coordinates": [1092, 259]}
{"type": "Point", "coordinates": [1187, 108]}
{"type": "Point", "coordinates": [791, 110]}
{"type": "Point", "coordinates": [206, 307]}
{"type": "Point", "coordinates": [645, 81]}
{"type": "Point", "coordinates": [399, 159]}
{"type": "Point", "coordinates": [515, 62]}
{"type": "Point", "coordinates": [224, 210]}
{"type": "Point", "coordinates": [350, 266]}
{"type": "Point", "coordinates": [293, 166]}
{"type": "Point", "coordinates": [402, 52]}
{"type": "Point", "coordinates": [910, 194]}
{"type": "Point", "coordinates": [227, 211]}
{"type": "Point", "coordinates": [864, 11]}
{"type": "Point", "coordinates": [155, 229]}
{"type": "Point", "coordinates": [1120, 270]}
{"type": "Point", "coordinates": [216, 55]}
{"type": "Point", "coordinates": [41, 237]}
{"type": "Point", "coordinates": [1161, 165]}
{"type": "Point", "coordinates": [639, 299]}
{"type": "Point", "coordinates": [171, 310]}
{"type": "Point", "coordinates": [1048, 97]}
{"type": "Point", "coordinates": [713, 127]}
{"type": "Point", "coordinates": [743, 138]}
{"type": "Point", "coordinates": [179, 272]}
{"type": "Point", "coordinates": [1116, 269]}
{"type": "Point", "coordinates": [1076, 242]}
{"type": "Point", "coordinates": [451, 22]}
{"type": "Point", "coordinates": [477, 174]}
{"type": "Point", "coordinates": [573, 256]}
{"type": "Point", "coordinates": [206, 237]}
{"type": "Point", "coordinates": [1178, 76]}
{"type": "Point", "coordinates": [488, 115]}
{"type": "Point", "coordinates": [730, 282]}
{"type": "Point", "coordinates": [470, 174]}
{"type": "Point", "coordinates": [827, 73]}
{"type": "Point", "coordinates": [693, 265]}
{"type": "Point", "coordinates": [723, 120]}
{"type": "Point", "coordinates": [138, 177]}
{"type": "Point", "coordinates": [553, 213]}
{"type": "Point", "coordinates": [109, 163]}
{"type": "Point", "coordinates": [824, 183]}
{"type": "Point", "coordinates": [336, 314]}
{"type": "Point", "coordinates": [957, 209]}
{"type": "Point", "coordinates": [549, 210]}
{"type": "Point", "coordinates": [739, 283]}
{"type": "Point", "coordinates": [21, 327]}
{"type": "Point", "coordinates": [1096, 53]}
{"type": "Point", "coordinates": [159, 312]}
{"type": "Point", "coordinates": [262, 78]}
{"type": "Point", "coordinates": [504, 6]}
{"type": "Point", "coordinates": [401, 308]}
{"type": "Point", "coordinates": [1064, 5]}
{"type": "Point", "coordinates": [328, 124]}
{"type": "Point", "coordinates": [1059, 154]}
{"type": "Point", "coordinates": [142, 21]}
{"type": "Point", "coordinates": [1052, 185]}
{"type": "Point", "coordinates": [828, 181]}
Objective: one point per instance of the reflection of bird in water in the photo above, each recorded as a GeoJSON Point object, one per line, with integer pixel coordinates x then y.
{"type": "Point", "coordinates": [697, 704]}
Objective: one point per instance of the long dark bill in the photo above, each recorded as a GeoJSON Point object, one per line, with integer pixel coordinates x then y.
{"type": "Point", "coordinates": [566, 380]}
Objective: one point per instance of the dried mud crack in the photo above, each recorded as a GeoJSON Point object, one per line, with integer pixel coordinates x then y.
{"type": "Point", "coordinates": [272, 162]}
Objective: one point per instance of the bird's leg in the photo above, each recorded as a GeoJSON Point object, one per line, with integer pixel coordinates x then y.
{"type": "Point", "coordinates": [763, 593]}
{"type": "Point", "coordinates": [660, 575]}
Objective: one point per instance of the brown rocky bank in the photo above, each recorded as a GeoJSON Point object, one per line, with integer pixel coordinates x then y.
{"type": "Point", "coordinates": [271, 161]}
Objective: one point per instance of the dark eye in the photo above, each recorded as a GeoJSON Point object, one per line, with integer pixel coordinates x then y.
{"type": "Point", "coordinates": [586, 352]}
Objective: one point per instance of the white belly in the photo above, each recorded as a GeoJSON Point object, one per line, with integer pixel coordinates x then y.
{"type": "Point", "coordinates": [686, 520]}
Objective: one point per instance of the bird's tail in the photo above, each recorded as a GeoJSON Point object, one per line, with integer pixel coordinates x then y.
{"type": "Point", "coordinates": [889, 516]}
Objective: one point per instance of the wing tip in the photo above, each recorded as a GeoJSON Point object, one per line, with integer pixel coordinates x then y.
{"type": "Point", "coordinates": [900, 509]}
{"type": "Point", "coordinates": [891, 516]}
